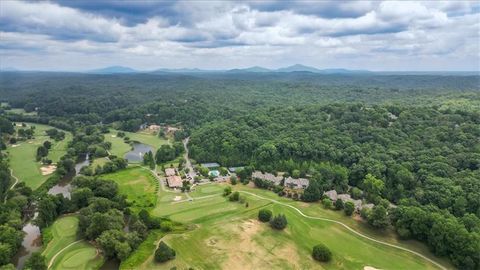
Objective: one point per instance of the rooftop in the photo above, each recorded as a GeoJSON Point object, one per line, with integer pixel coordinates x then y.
{"type": "Point", "coordinates": [174, 181]}
{"type": "Point", "coordinates": [296, 182]}
{"type": "Point", "coordinates": [211, 165]}
{"type": "Point", "coordinates": [267, 177]}
{"type": "Point", "coordinates": [170, 172]}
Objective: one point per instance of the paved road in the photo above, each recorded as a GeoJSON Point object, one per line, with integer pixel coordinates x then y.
{"type": "Point", "coordinates": [348, 228]}
{"type": "Point", "coordinates": [188, 164]}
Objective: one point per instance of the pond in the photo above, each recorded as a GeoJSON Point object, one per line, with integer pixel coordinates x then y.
{"type": "Point", "coordinates": [31, 242]}
{"type": "Point", "coordinates": [137, 152]}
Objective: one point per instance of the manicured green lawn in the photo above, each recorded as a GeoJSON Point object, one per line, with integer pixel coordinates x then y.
{"type": "Point", "coordinates": [227, 235]}
{"type": "Point", "coordinates": [206, 190]}
{"type": "Point", "coordinates": [120, 148]}
{"type": "Point", "coordinates": [22, 156]}
{"type": "Point", "coordinates": [62, 233]}
{"type": "Point", "coordinates": [138, 184]}
{"type": "Point", "coordinates": [79, 255]}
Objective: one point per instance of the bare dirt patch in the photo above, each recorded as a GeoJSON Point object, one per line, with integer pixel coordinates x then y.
{"type": "Point", "coordinates": [114, 136]}
{"type": "Point", "coordinates": [46, 170]}
{"type": "Point", "coordinates": [370, 268]}
{"type": "Point", "coordinates": [177, 198]}
{"type": "Point", "coordinates": [357, 217]}
{"type": "Point", "coordinates": [243, 252]}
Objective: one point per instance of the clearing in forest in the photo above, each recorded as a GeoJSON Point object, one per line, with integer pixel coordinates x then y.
{"type": "Point", "coordinates": [23, 155]}
{"type": "Point", "coordinates": [138, 184]}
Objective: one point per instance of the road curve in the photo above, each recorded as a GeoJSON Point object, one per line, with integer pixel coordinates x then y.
{"type": "Point", "coordinates": [348, 228]}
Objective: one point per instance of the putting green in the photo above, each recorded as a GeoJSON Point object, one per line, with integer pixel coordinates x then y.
{"type": "Point", "coordinates": [79, 256]}
{"type": "Point", "coordinates": [65, 251]}
{"type": "Point", "coordinates": [62, 233]}
{"type": "Point", "coordinates": [23, 155]}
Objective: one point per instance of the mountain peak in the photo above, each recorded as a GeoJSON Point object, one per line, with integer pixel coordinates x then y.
{"type": "Point", "coordinates": [113, 70]}
{"type": "Point", "coordinates": [298, 67]}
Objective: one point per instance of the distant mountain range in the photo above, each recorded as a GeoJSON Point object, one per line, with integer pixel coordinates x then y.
{"type": "Point", "coordinates": [254, 69]}
{"type": "Point", "coordinates": [113, 70]}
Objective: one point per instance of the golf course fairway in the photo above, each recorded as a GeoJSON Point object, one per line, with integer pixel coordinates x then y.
{"type": "Point", "coordinates": [227, 235]}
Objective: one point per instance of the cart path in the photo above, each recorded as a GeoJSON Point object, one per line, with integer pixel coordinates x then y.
{"type": "Point", "coordinates": [348, 228]}
{"type": "Point", "coordinates": [14, 184]}
{"type": "Point", "coordinates": [58, 253]}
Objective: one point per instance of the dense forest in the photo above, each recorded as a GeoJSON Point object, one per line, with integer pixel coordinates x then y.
{"type": "Point", "coordinates": [193, 100]}
{"type": "Point", "coordinates": [409, 140]}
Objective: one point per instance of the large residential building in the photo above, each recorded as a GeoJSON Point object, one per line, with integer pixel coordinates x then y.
{"type": "Point", "coordinates": [332, 195]}
{"type": "Point", "coordinates": [170, 172]}
{"type": "Point", "coordinates": [276, 180]}
{"type": "Point", "coordinates": [174, 181]}
{"type": "Point", "coordinates": [296, 183]}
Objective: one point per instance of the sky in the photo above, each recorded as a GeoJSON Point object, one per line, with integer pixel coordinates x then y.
{"type": "Point", "coordinates": [80, 35]}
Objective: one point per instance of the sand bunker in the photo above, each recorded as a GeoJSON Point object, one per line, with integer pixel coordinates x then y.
{"type": "Point", "coordinates": [30, 142]}
{"type": "Point", "coordinates": [370, 268]}
{"type": "Point", "coordinates": [46, 170]}
{"type": "Point", "coordinates": [15, 145]}
{"type": "Point", "coordinates": [114, 136]}
{"type": "Point", "coordinates": [177, 198]}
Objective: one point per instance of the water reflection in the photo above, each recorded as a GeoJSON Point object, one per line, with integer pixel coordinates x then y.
{"type": "Point", "coordinates": [136, 154]}
{"type": "Point", "coordinates": [31, 242]}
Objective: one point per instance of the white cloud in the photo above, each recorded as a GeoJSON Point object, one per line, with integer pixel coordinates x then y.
{"type": "Point", "coordinates": [374, 35]}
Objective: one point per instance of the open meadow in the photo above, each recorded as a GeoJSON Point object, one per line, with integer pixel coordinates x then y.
{"type": "Point", "coordinates": [22, 155]}
{"type": "Point", "coordinates": [65, 251]}
{"type": "Point", "coordinates": [138, 184]}
{"type": "Point", "coordinates": [227, 235]}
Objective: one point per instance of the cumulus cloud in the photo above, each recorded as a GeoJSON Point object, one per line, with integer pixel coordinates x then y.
{"type": "Point", "coordinates": [389, 35]}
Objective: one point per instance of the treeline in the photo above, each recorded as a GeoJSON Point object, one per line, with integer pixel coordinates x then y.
{"type": "Point", "coordinates": [13, 202]}
{"type": "Point", "coordinates": [411, 156]}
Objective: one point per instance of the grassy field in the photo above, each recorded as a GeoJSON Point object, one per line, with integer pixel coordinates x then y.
{"type": "Point", "coordinates": [138, 184]}
{"type": "Point", "coordinates": [227, 235]}
{"type": "Point", "coordinates": [70, 253]}
{"type": "Point", "coordinates": [98, 162]}
{"type": "Point", "coordinates": [21, 111]}
{"type": "Point", "coordinates": [120, 148]}
{"type": "Point", "coordinates": [22, 155]}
